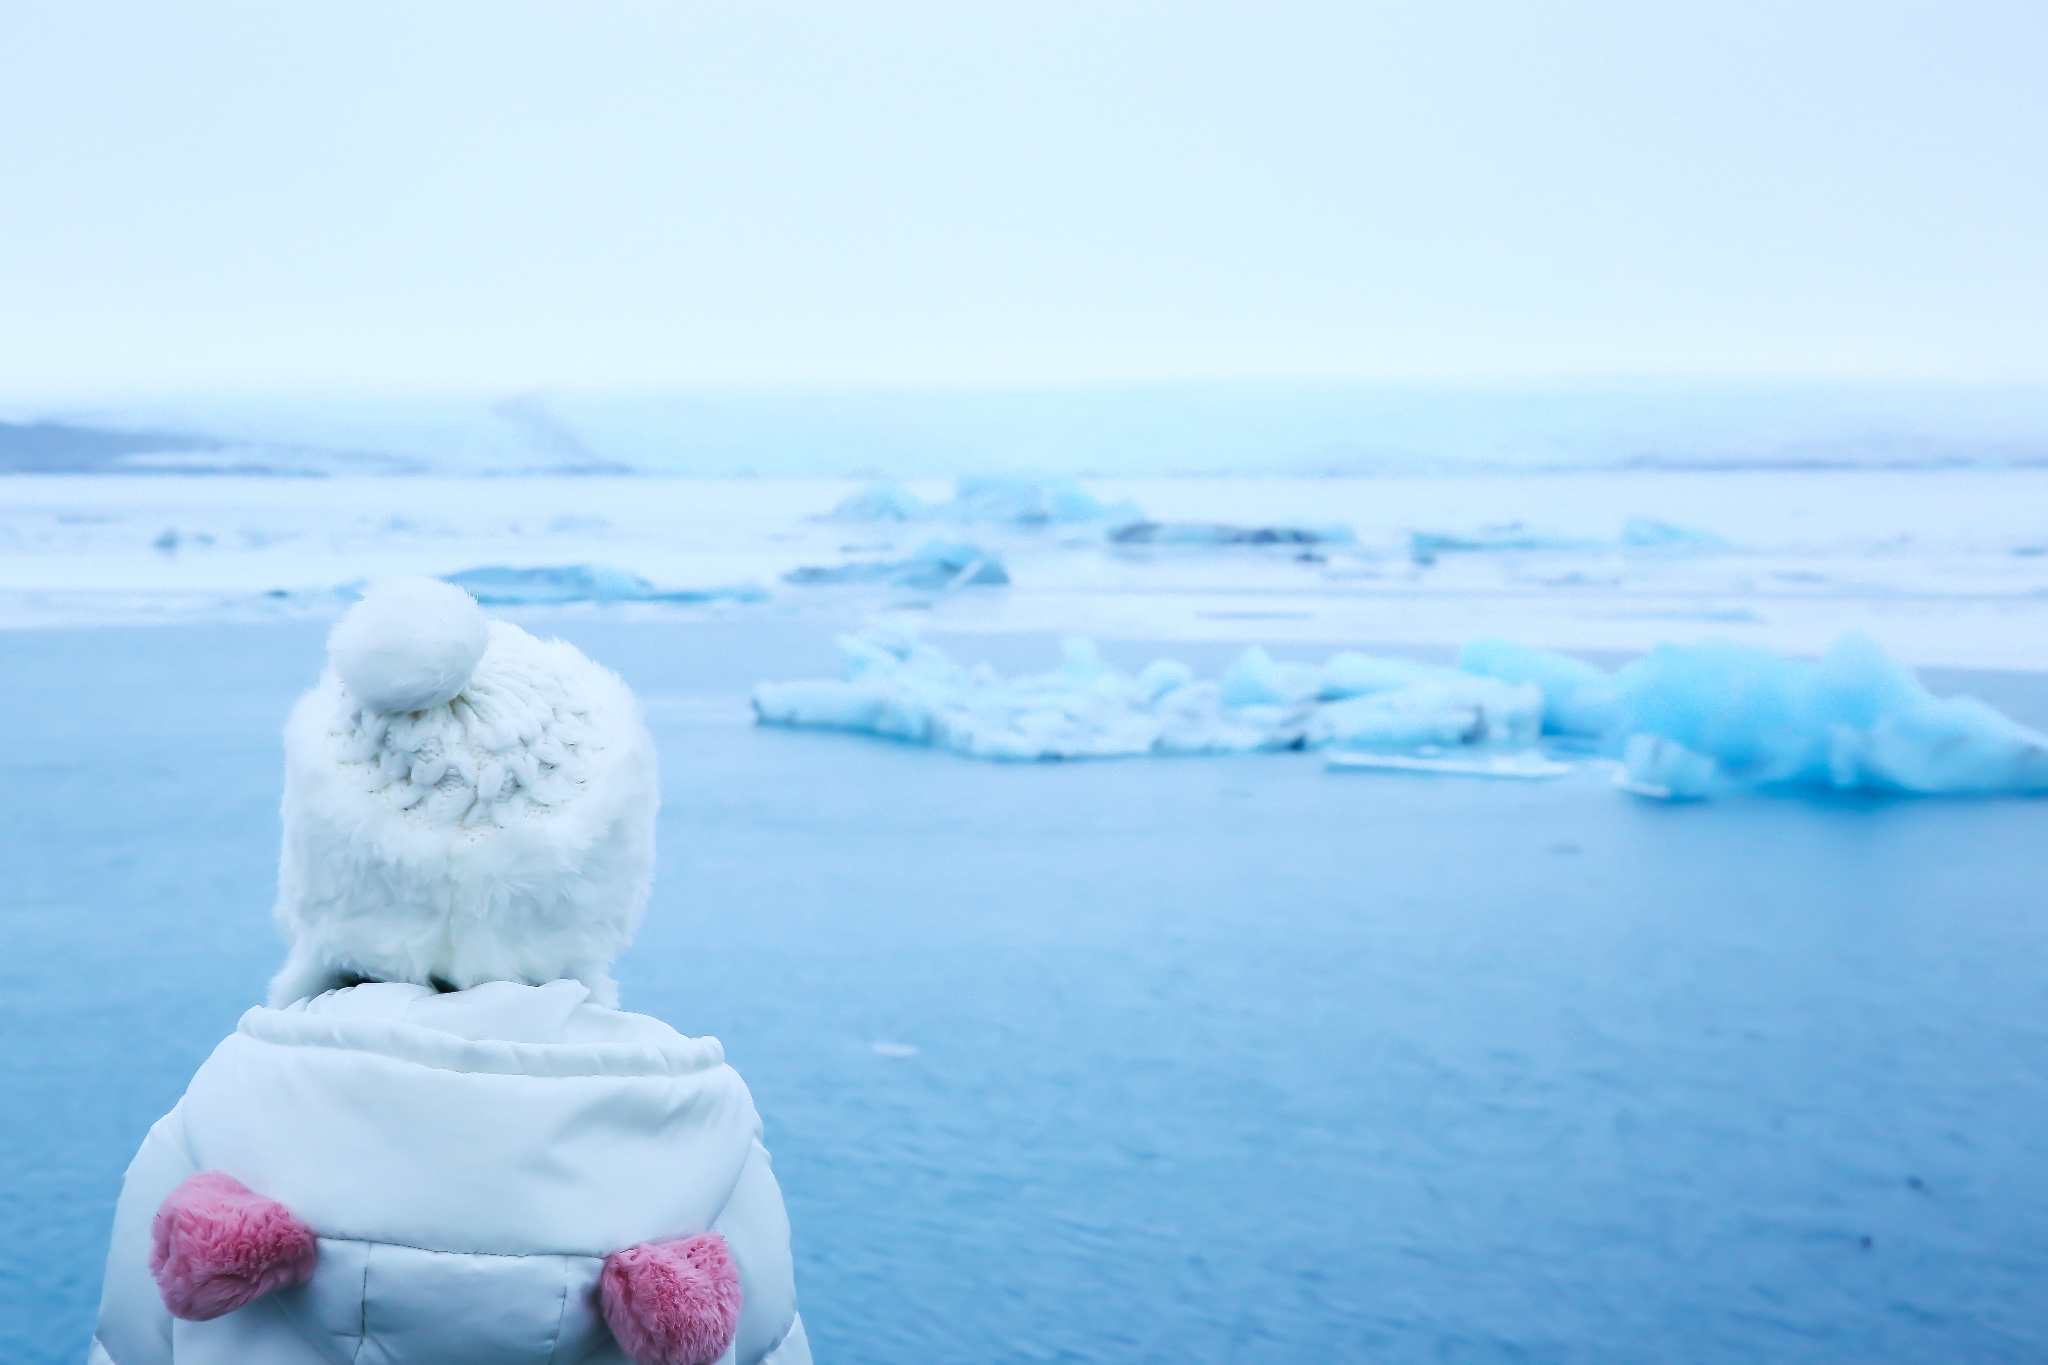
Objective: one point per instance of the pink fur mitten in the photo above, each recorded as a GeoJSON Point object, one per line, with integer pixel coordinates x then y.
{"type": "Point", "coordinates": [673, 1303]}
{"type": "Point", "coordinates": [217, 1245]}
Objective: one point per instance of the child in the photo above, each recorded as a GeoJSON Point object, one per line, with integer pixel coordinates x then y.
{"type": "Point", "coordinates": [441, 1143]}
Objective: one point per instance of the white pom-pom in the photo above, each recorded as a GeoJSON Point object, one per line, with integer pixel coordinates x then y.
{"type": "Point", "coordinates": [411, 643]}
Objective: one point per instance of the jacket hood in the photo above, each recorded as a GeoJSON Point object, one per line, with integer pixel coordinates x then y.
{"type": "Point", "coordinates": [506, 1120]}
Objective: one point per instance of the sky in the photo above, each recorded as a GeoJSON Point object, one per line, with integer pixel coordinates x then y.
{"type": "Point", "coordinates": [509, 194]}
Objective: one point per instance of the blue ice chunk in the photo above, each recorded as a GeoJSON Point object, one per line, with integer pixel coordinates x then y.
{"type": "Point", "coordinates": [824, 704]}
{"type": "Point", "coordinates": [1578, 699]}
{"type": "Point", "coordinates": [1648, 533]}
{"type": "Point", "coordinates": [998, 500]}
{"type": "Point", "coordinates": [1162, 676]}
{"type": "Point", "coordinates": [1253, 680]}
{"type": "Point", "coordinates": [1668, 771]}
{"type": "Point", "coordinates": [1637, 533]}
{"type": "Point", "coordinates": [1382, 703]}
{"type": "Point", "coordinates": [1081, 662]}
{"type": "Point", "coordinates": [1425, 546]}
{"type": "Point", "coordinates": [1946, 744]}
{"type": "Point", "coordinates": [1222, 533]}
{"type": "Point", "coordinates": [500, 586]}
{"type": "Point", "coordinates": [1857, 719]}
{"type": "Point", "coordinates": [1054, 499]}
{"type": "Point", "coordinates": [1749, 710]}
{"type": "Point", "coordinates": [1351, 674]}
{"type": "Point", "coordinates": [1256, 680]}
{"type": "Point", "coordinates": [936, 565]}
{"type": "Point", "coordinates": [883, 502]}
{"type": "Point", "coordinates": [1448, 712]}
{"type": "Point", "coordinates": [951, 564]}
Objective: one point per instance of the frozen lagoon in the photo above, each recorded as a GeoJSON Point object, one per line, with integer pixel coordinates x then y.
{"type": "Point", "coordinates": [1222, 1059]}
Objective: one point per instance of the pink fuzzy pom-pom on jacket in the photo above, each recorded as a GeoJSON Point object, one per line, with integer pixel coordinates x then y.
{"type": "Point", "coordinates": [218, 1246]}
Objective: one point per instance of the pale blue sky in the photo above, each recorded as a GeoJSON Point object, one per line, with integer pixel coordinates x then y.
{"type": "Point", "coordinates": [506, 194]}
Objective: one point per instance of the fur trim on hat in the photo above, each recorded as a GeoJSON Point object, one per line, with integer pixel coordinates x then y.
{"type": "Point", "coordinates": [503, 833]}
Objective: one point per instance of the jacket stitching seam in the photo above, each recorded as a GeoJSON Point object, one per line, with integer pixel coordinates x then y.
{"type": "Point", "coordinates": [562, 1317]}
{"type": "Point", "coordinates": [442, 1251]}
{"type": "Point", "coordinates": [363, 1321]}
{"type": "Point", "coordinates": [666, 1069]}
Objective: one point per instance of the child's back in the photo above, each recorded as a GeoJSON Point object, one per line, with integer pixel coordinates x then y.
{"type": "Point", "coordinates": [430, 1146]}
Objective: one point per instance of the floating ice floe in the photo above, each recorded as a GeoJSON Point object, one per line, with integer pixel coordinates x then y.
{"type": "Point", "coordinates": [1424, 547]}
{"type": "Point", "coordinates": [1046, 501]}
{"type": "Point", "coordinates": [1648, 533]}
{"type": "Point", "coordinates": [1222, 533]}
{"type": "Point", "coordinates": [499, 586]}
{"type": "Point", "coordinates": [1686, 722]}
{"type": "Point", "coordinates": [937, 565]}
{"type": "Point", "coordinates": [883, 502]}
{"type": "Point", "coordinates": [1638, 534]}
{"type": "Point", "coordinates": [900, 689]}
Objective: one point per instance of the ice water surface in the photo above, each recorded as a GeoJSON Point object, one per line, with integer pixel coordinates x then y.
{"type": "Point", "coordinates": [1194, 1060]}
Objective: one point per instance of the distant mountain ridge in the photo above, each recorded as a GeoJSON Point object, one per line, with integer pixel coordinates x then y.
{"type": "Point", "coordinates": [1133, 430]}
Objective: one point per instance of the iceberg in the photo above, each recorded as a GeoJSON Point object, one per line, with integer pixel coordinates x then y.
{"type": "Point", "coordinates": [898, 688]}
{"type": "Point", "coordinates": [1452, 711]}
{"type": "Point", "coordinates": [1578, 698]}
{"type": "Point", "coordinates": [937, 565]}
{"type": "Point", "coordinates": [1256, 680]}
{"type": "Point", "coordinates": [1664, 770]}
{"type": "Point", "coordinates": [1701, 720]}
{"type": "Point", "coordinates": [1367, 702]}
{"type": "Point", "coordinates": [500, 586]}
{"type": "Point", "coordinates": [1687, 722]}
{"type": "Point", "coordinates": [1010, 501]}
{"type": "Point", "coordinates": [1692, 722]}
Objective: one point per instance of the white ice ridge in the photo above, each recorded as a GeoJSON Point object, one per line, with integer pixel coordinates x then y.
{"type": "Point", "coordinates": [1686, 721]}
{"type": "Point", "coordinates": [901, 689]}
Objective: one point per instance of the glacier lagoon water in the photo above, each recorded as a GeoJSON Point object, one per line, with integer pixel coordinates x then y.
{"type": "Point", "coordinates": [1199, 1060]}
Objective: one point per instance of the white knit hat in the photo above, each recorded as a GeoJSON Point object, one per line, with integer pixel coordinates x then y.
{"type": "Point", "coordinates": [462, 803]}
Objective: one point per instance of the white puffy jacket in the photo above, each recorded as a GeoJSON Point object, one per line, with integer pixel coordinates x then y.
{"type": "Point", "coordinates": [467, 1160]}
